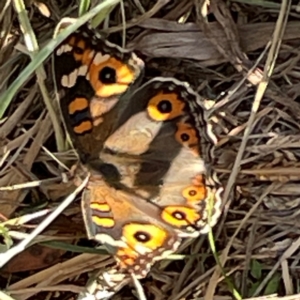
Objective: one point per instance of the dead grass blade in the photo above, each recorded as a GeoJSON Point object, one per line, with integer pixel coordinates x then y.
{"type": "Point", "coordinates": [5, 257]}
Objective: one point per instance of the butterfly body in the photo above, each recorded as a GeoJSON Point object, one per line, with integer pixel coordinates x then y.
{"type": "Point", "coordinates": [148, 148]}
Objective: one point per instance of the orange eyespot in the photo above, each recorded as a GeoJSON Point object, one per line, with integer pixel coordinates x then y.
{"type": "Point", "coordinates": [109, 76]}
{"type": "Point", "coordinates": [186, 134]}
{"type": "Point", "coordinates": [78, 104]}
{"type": "Point", "coordinates": [180, 216]}
{"type": "Point", "coordinates": [145, 237]}
{"type": "Point", "coordinates": [194, 193]}
{"type": "Point", "coordinates": [165, 106]}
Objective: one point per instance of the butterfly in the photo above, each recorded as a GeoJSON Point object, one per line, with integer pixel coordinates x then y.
{"type": "Point", "coordinates": [148, 147]}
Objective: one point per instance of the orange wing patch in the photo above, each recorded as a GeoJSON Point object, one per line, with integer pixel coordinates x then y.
{"type": "Point", "coordinates": [80, 50]}
{"type": "Point", "coordinates": [77, 105]}
{"type": "Point", "coordinates": [83, 127]}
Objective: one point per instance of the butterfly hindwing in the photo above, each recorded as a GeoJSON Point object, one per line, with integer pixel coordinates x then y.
{"type": "Point", "coordinates": [164, 135]}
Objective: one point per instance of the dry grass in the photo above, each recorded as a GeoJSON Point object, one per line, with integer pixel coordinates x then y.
{"type": "Point", "coordinates": [246, 58]}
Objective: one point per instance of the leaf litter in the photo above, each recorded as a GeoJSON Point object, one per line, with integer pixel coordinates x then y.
{"type": "Point", "coordinates": [242, 57]}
